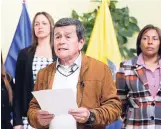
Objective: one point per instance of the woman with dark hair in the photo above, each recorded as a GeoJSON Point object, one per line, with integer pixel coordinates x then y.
{"type": "Point", "coordinates": [30, 61]}
{"type": "Point", "coordinates": [144, 30]}
{"type": "Point", "coordinates": [6, 98]}
{"type": "Point", "coordinates": [139, 82]}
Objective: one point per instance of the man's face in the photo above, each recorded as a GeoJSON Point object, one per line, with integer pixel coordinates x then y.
{"type": "Point", "coordinates": [66, 44]}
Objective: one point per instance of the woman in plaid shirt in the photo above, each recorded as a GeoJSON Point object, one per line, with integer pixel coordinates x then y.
{"type": "Point", "coordinates": [139, 82]}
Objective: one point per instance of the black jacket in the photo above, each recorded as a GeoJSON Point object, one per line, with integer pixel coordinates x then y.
{"type": "Point", "coordinates": [6, 107]}
{"type": "Point", "coordinates": [24, 84]}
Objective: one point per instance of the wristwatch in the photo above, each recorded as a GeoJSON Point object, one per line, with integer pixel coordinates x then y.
{"type": "Point", "coordinates": [91, 118]}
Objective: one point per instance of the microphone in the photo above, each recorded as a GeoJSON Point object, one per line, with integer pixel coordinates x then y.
{"type": "Point", "coordinates": [82, 83]}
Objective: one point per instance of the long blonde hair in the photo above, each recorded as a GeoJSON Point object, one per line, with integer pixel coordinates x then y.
{"type": "Point", "coordinates": [6, 81]}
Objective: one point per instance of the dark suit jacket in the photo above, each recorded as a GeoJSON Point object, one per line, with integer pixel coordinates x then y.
{"type": "Point", "coordinates": [24, 84]}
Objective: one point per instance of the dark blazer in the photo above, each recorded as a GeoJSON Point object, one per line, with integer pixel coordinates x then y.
{"type": "Point", "coordinates": [6, 108]}
{"type": "Point", "coordinates": [24, 84]}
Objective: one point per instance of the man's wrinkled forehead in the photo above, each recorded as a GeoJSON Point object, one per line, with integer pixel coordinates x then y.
{"type": "Point", "coordinates": [65, 29]}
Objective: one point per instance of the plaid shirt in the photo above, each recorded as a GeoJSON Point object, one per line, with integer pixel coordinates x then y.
{"type": "Point", "coordinates": [139, 109]}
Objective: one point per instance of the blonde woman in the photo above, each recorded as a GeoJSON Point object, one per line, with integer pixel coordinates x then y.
{"type": "Point", "coordinates": [30, 61]}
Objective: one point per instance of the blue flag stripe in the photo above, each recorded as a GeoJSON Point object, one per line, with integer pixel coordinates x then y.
{"type": "Point", "coordinates": [22, 38]}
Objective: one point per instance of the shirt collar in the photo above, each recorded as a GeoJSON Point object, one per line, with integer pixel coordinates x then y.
{"type": "Point", "coordinates": [77, 61]}
{"type": "Point", "coordinates": [140, 60]}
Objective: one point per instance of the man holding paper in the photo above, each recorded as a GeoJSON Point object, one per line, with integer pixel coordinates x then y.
{"type": "Point", "coordinates": [90, 80]}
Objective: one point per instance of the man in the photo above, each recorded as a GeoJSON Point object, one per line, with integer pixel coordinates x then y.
{"type": "Point", "coordinates": [90, 79]}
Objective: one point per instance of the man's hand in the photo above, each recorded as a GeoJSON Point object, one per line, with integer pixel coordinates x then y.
{"type": "Point", "coordinates": [81, 114]}
{"type": "Point", "coordinates": [44, 117]}
{"type": "Point", "coordinates": [18, 127]}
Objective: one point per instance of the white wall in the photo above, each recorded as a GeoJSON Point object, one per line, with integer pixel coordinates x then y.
{"type": "Point", "coordinates": [146, 12]}
{"type": "Point", "coordinates": [11, 10]}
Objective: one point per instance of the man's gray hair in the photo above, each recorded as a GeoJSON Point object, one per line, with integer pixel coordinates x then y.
{"type": "Point", "coordinates": [80, 30]}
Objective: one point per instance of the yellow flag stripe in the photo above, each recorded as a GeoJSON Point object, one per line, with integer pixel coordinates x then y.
{"type": "Point", "coordinates": [103, 43]}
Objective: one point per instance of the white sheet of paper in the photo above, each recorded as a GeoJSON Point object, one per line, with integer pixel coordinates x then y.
{"type": "Point", "coordinates": [63, 122]}
{"type": "Point", "coordinates": [58, 101]}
